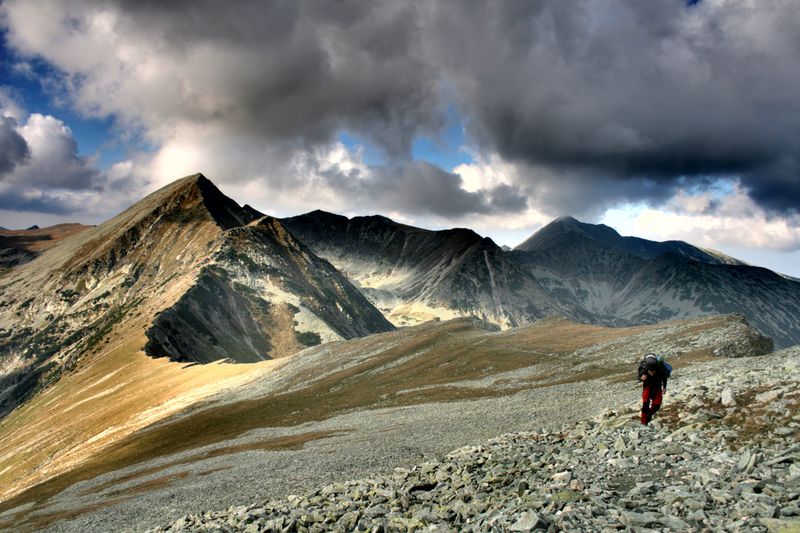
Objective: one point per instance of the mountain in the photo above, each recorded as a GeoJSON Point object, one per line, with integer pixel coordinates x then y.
{"type": "Point", "coordinates": [562, 228]}
{"type": "Point", "coordinates": [586, 272]}
{"type": "Point", "coordinates": [262, 294]}
{"type": "Point", "coordinates": [185, 274]}
{"type": "Point", "coordinates": [414, 275]}
{"type": "Point", "coordinates": [20, 246]}
{"type": "Point", "coordinates": [625, 280]}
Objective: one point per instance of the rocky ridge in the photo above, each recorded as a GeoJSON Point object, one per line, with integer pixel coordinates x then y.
{"type": "Point", "coordinates": [722, 455]}
{"type": "Point", "coordinates": [413, 275]}
{"type": "Point", "coordinates": [588, 273]}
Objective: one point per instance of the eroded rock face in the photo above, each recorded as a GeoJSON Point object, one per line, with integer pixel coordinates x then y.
{"type": "Point", "coordinates": [263, 295]}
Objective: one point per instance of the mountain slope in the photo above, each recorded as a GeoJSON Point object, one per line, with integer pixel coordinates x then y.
{"type": "Point", "coordinates": [552, 235]}
{"type": "Point", "coordinates": [413, 274]}
{"type": "Point", "coordinates": [258, 286]}
{"type": "Point", "coordinates": [619, 283]}
{"type": "Point", "coordinates": [381, 401]}
{"type": "Point", "coordinates": [187, 260]}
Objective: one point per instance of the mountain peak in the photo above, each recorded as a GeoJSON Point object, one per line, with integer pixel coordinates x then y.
{"type": "Point", "coordinates": [568, 231]}
{"type": "Point", "coordinates": [566, 219]}
{"type": "Point", "coordinates": [192, 205]}
{"type": "Point", "coordinates": [556, 231]}
{"type": "Point", "coordinates": [192, 197]}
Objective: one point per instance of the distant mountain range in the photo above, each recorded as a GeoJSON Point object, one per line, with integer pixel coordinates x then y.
{"type": "Point", "coordinates": [414, 275]}
{"type": "Point", "coordinates": [586, 272]}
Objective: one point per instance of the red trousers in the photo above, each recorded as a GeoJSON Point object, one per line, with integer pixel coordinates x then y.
{"type": "Point", "coordinates": [651, 403]}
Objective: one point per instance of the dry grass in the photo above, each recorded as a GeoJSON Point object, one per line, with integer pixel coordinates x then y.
{"type": "Point", "coordinates": [109, 397]}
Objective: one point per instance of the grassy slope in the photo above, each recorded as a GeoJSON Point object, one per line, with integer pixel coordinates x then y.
{"type": "Point", "coordinates": [109, 396]}
{"type": "Point", "coordinates": [434, 362]}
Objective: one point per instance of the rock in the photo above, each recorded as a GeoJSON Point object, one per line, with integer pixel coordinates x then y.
{"type": "Point", "coordinates": [728, 397]}
{"type": "Point", "coordinates": [674, 523]}
{"type": "Point", "coordinates": [768, 396]}
{"type": "Point", "coordinates": [526, 522]}
{"type": "Point", "coordinates": [634, 519]}
{"type": "Point", "coordinates": [562, 476]}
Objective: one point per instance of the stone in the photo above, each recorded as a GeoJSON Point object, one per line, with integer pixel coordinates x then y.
{"type": "Point", "coordinates": [565, 476]}
{"type": "Point", "coordinates": [526, 522]}
{"type": "Point", "coordinates": [768, 396]}
{"type": "Point", "coordinates": [728, 397]}
{"type": "Point", "coordinates": [634, 519]}
{"type": "Point", "coordinates": [674, 523]}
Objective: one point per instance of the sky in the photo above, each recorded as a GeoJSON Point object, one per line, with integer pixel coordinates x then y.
{"type": "Point", "coordinates": [671, 119]}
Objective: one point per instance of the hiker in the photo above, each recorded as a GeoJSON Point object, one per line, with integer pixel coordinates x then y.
{"type": "Point", "coordinates": [653, 373]}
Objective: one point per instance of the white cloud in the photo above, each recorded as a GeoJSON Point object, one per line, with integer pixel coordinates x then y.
{"type": "Point", "coordinates": [711, 220]}
{"type": "Point", "coordinates": [53, 178]}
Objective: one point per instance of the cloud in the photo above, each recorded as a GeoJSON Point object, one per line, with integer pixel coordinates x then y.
{"type": "Point", "coordinates": [727, 218]}
{"type": "Point", "coordinates": [625, 91]}
{"type": "Point", "coordinates": [41, 170]}
{"type": "Point", "coordinates": [36, 200]}
{"type": "Point", "coordinates": [591, 104]}
{"type": "Point", "coordinates": [54, 160]}
{"type": "Point", "coordinates": [410, 187]}
{"type": "Point", "coordinates": [279, 71]}
{"type": "Point", "coordinates": [13, 148]}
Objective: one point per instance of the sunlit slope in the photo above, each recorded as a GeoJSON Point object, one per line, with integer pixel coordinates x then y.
{"type": "Point", "coordinates": [107, 397]}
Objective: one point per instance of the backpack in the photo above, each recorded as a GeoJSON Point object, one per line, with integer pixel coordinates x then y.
{"type": "Point", "coordinates": [665, 366]}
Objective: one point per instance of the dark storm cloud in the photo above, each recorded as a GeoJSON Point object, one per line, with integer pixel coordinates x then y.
{"type": "Point", "coordinates": [39, 202]}
{"type": "Point", "coordinates": [632, 90]}
{"type": "Point", "coordinates": [595, 102]}
{"type": "Point", "coordinates": [292, 70]}
{"type": "Point", "coordinates": [13, 148]}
